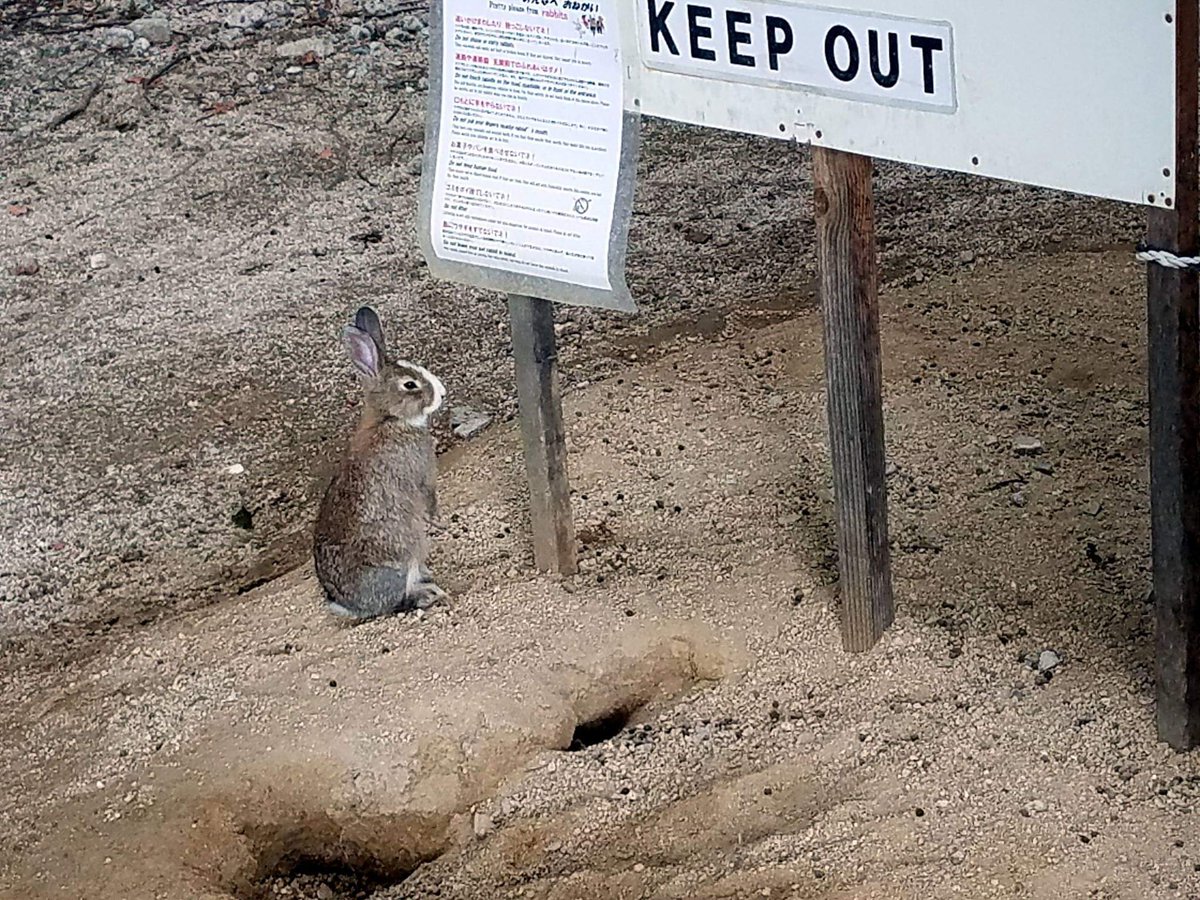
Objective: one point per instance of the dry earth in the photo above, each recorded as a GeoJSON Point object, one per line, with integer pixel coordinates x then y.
{"type": "Point", "coordinates": [676, 721]}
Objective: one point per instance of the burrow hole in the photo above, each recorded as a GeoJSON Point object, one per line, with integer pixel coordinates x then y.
{"type": "Point", "coordinates": [600, 729]}
{"type": "Point", "coordinates": [310, 878]}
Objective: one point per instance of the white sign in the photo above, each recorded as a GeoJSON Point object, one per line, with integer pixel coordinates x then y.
{"type": "Point", "coordinates": [866, 57]}
{"type": "Point", "coordinates": [529, 142]}
{"type": "Point", "coordinates": [1077, 95]}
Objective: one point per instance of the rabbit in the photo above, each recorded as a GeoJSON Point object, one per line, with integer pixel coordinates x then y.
{"type": "Point", "coordinates": [372, 532]}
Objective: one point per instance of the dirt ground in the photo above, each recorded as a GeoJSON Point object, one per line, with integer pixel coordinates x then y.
{"type": "Point", "coordinates": [181, 719]}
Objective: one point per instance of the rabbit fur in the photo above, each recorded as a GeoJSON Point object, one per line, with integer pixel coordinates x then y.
{"type": "Point", "coordinates": [371, 539]}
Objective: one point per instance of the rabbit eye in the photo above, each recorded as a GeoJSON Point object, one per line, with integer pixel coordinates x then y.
{"type": "Point", "coordinates": [411, 385]}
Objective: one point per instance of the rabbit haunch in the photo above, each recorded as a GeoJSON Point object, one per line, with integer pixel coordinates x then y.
{"type": "Point", "coordinates": [371, 539]}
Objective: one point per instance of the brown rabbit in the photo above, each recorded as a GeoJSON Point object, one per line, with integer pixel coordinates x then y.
{"type": "Point", "coordinates": [371, 539]}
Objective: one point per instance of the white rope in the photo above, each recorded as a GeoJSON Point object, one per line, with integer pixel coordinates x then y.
{"type": "Point", "coordinates": [1168, 259]}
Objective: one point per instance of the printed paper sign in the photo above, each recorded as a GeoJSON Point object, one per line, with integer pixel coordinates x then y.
{"type": "Point", "coordinates": [529, 139]}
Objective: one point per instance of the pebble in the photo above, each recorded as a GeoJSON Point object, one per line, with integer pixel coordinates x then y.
{"type": "Point", "coordinates": [482, 824]}
{"type": "Point", "coordinates": [467, 422]}
{"type": "Point", "coordinates": [98, 261]}
{"type": "Point", "coordinates": [235, 469]}
{"type": "Point", "coordinates": [1048, 660]}
{"type": "Point", "coordinates": [378, 9]}
{"type": "Point", "coordinates": [412, 24]}
{"type": "Point", "coordinates": [155, 29]}
{"type": "Point", "coordinates": [321, 47]}
{"type": "Point", "coordinates": [1092, 508]}
{"type": "Point", "coordinates": [248, 18]}
{"type": "Point", "coordinates": [26, 266]}
{"type": "Point", "coordinates": [119, 39]}
{"type": "Point", "coordinates": [141, 46]}
{"type": "Point", "coordinates": [1024, 445]}
{"type": "Point", "coordinates": [324, 892]}
{"type": "Point", "coordinates": [415, 165]}
{"type": "Point", "coordinates": [359, 32]}
{"type": "Point", "coordinates": [395, 36]}
{"type": "Point", "coordinates": [966, 257]}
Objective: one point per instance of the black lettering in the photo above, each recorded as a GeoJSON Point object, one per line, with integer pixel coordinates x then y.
{"type": "Point", "coordinates": [779, 40]}
{"type": "Point", "coordinates": [698, 32]}
{"type": "Point", "coordinates": [927, 46]}
{"type": "Point", "coordinates": [893, 74]}
{"type": "Point", "coordinates": [733, 18]}
{"type": "Point", "coordinates": [658, 26]}
{"type": "Point", "coordinates": [848, 73]}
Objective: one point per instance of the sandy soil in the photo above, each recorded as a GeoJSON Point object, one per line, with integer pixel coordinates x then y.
{"type": "Point", "coordinates": [180, 719]}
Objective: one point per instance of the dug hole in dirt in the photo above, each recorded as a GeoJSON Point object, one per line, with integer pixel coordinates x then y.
{"type": "Point", "coordinates": [181, 719]}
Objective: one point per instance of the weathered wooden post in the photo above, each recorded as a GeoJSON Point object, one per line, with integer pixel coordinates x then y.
{"type": "Point", "coordinates": [849, 274]}
{"type": "Point", "coordinates": [536, 357]}
{"type": "Point", "coordinates": [1173, 325]}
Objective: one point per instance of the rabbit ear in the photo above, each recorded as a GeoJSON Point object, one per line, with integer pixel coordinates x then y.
{"type": "Point", "coordinates": [367, 320]}
{"type": "Point", "coordinates": [363, 352]}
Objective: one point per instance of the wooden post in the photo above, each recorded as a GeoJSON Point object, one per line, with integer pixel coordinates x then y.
{"type": "Point", "coordinates": [854, 385]}
{"type": "Point", "coordinates": [536, 358]}
{"type": "Point", "coordinates": [1173, 301]}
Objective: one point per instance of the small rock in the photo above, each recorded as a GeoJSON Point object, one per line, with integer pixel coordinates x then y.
{"type": "Point", "coordinates": [248, 18]}
{"type": "Point", "coordinates": [235, 469]}
{"type": "Point", "coordinates": [482, 824]}
{"type": "Point", "coordinates": [155, 29]}
{"type": "Point", "coordinates": [378, 9]}
{"type": "Point", "coordinates": [472, 425]}
{"type": "Point", "coordinates": [1024, 445]}
{"type": "Point", "coordinates": [320, 47]}
{"type": "Point", "coordinates": [696, 236]}
{"type": "Point", "coordinates": [98, 261]}
{"type": "Point", "coordinates": [1034, 806]}
{"type": "Point", "coordinates": [1092, 508]}
{"type": "Point", "coordinates": [918, 276]}
{"type": "Point", "coordinates": [412, 24]}
{"type": "Point", "coordinates": [966, 257]}
{"type": "Point", "coordinates": [1048, 660]}
{"type": "Point", "coordinates": [415, 165]}
{"type": "Point", "coordinates": [324, 892]}
{"type": "Point", "coordinates": [1044, 467]}
{"type": "Point", "coordinates": [639, 868]}
{"type": "Point", "coordinates": [25, 267]}
{"type": "Point", "coordinates": [1018, 498]}
{"type": "Point", "coordinates": [141, 46]}
{"type": "Point", "coordinates": [554, 847]}
{"type": "Point", "coordinates": [562, 329]}
{"type": "Point", "coordinates": [118, 39]}
{"type": "Point", "coordinates": [395, 36]}
{"type": "Point", "coordinates": [360, 32]}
